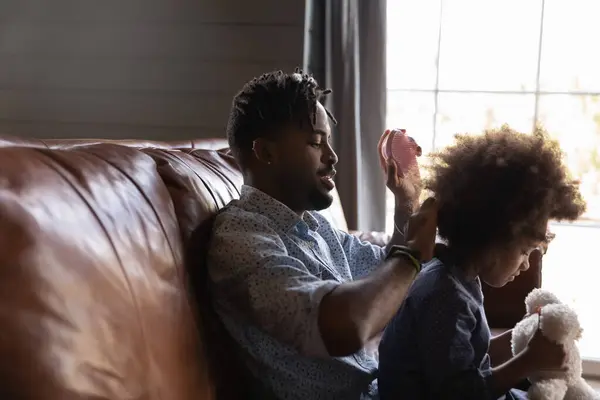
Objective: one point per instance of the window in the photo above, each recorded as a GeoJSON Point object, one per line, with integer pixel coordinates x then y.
{"type": "Point", "coordinates": [466, 65]}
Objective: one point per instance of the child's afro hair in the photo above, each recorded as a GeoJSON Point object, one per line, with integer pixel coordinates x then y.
{"type": "Point", "coordinates": [500, 187]}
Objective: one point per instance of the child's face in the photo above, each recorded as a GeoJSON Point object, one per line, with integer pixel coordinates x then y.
{"type": "Point", "coordinates": [506, 263]}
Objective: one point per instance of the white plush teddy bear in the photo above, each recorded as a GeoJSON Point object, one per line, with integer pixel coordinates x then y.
{"type": "Point", "coordinates": [559, 323]}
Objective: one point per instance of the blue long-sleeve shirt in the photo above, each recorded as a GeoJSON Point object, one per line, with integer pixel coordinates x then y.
{"type": "Point", "coordinates": [436, 347]}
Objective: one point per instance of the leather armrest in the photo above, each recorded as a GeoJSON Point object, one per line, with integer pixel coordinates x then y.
{"type": "Point", "coordinates": [505, 306]}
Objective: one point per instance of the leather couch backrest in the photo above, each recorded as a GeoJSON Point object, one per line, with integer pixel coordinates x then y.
{"type": "Point", "coordinates": [93, 302]}
{"type": "Point", "coordinates": [194, 182]}
{"type": "Point", "coordinates": [192, 144]}
{"type": "Point", "coordinates": [208, 143]}
{"type": "Point", "coordinates": [335, 213]}
{"type": "Point", "coordinates": [200, 183]}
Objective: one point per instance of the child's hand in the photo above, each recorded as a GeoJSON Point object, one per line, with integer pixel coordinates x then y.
{"type": "Point", "coordinates": [545, 355]}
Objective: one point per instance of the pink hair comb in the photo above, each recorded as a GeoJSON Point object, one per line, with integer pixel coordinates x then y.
{"type": "Point", "coordinates": [400, 147]}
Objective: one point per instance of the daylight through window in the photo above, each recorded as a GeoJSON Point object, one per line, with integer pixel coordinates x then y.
{"type": "Point", "coordinates": [466, 65]}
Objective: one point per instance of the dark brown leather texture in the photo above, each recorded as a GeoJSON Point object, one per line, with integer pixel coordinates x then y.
{"type": "Point", "coordinates": [91, 265]}
{"type": "Point", "coordinates": [103, 289]}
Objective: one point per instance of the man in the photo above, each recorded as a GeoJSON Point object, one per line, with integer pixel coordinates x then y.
{"type": "Point", "coordinates": [299, 297]}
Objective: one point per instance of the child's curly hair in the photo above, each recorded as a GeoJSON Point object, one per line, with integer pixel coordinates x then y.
{"type": "Point", "coordinates": [499, 187]}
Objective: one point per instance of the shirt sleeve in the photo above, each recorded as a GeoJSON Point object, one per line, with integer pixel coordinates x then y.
{"type": "Point", "coordinates": [448, 357]}
{"type": "Point", "coordinates": [254, 277]}
{"type": "Point", "coordinates": [363, 257]}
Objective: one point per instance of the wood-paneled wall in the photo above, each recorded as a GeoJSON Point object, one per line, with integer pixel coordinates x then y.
{"type": "Point", "coordinates": [155, 69]}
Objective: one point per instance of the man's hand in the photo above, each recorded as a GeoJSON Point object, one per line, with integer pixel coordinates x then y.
{"type": "Point", "coordinates": [355, 312]}
{"type": "Point", "coordinates": [422, 229]}
{"type": "Point", "coordinates": [405, 185]}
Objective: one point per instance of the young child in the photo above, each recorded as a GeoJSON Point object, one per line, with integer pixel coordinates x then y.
{"type": "Point", "coordinates": [496, 193]}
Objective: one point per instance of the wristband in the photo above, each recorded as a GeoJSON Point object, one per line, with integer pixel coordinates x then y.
{"type": "Point", "coordinates": [406, 252]}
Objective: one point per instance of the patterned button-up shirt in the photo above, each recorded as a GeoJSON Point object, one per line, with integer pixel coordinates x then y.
{"type": "Point", "coordinates": [269, 270]}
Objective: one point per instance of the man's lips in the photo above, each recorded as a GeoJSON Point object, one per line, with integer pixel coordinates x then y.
{"type": "Point", "coordinates": [327, 179]}
{"type": "Point", "coordinates": [328, 174]}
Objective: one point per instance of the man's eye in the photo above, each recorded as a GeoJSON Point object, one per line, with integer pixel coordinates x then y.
{"type": "Point", "coordinates": [317, 145]}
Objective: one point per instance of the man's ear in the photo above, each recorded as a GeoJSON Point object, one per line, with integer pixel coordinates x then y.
{"type": "Point", "coordinates": [264, 150]}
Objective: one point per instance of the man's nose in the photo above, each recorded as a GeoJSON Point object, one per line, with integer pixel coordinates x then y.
{"type": "Point", "coordinates": [329, 156]}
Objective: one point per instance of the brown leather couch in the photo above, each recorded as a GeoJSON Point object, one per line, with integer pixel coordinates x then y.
{"type": "Point", "coordinates": [102, 287]}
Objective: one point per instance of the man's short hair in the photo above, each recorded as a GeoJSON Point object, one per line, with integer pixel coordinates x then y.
{"type": "Point", "coordinates": [269, 103]}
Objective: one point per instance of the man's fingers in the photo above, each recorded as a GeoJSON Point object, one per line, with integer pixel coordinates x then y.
{"type": "Point", "coordinates": [426, 215]}
{"type": "Point", "coordinates": [421, 230]}
{"type": "Point", "coordinates": [418, 149]}
{"type": "Point", "coordinates": [430, 204]}
{"type": "Point", "coordinates": [392, 173]}
{"type": "Point", "coordinates": [380, 148]}
{"type": "Point", "coordinates": [429, 212]}
{"type": "Point", "coordinates": [414, 174]}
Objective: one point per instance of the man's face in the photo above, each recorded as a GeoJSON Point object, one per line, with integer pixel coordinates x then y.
{"type": "Point", "coordinates": [305, 165]}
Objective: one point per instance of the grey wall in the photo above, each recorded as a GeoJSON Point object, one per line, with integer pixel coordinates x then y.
{"type": "Point", "coordinates": [155, 69]}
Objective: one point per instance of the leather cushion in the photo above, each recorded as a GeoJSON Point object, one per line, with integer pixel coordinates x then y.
{"type": "Point", "coordinates": [91, 299]}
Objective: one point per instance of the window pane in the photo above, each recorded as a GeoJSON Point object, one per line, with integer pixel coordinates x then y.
{"type": "Point", "coordinates": [569, 272]}
{"type": "Point", "coordinates": [569, 61]}
{"type": "Point", "coordinates": [575, 121]}
{"type": "Point", "coordinates": [414, 112]}
{"type": "Point", "coordinates": [412, 43]}
{"type": "Point", "coordinates": [489, 45]}
{"type": "Point", "coordinates": [474, 112]}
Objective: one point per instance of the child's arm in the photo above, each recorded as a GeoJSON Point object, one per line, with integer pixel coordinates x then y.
{"type": "Point", "coordinates": [540, 354]}
{"type": "Point", "coordinates": [506, 376]}
{"type": "Point", "coordinates": [500, 348]}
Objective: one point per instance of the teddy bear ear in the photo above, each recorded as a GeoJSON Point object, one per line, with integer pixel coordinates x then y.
{"type": "Point", "coordinates": [579, 333]}
{"type": "Point", "coordinates": [539, 298]}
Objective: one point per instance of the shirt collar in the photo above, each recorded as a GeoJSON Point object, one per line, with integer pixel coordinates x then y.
{"type": "Point", "coordinates": [255, 200]}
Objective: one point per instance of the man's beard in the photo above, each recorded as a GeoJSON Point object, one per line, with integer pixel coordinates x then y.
{"type": "Point", "coordinates": [318, 200]}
